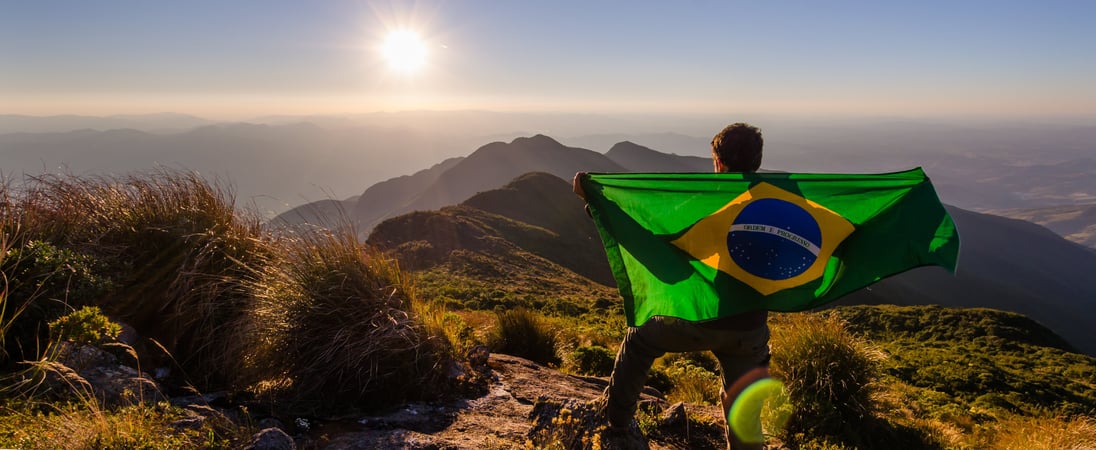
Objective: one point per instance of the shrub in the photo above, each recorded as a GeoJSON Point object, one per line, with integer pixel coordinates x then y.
{"type": "Point", "coordinates": [337, 319]}
{"type": "Point", "coordinates": [691, 383]}
{"type": "Point", "coordinates": [702, 359]}
{"type": "Point", "coordinates": [41, 283]}
{"type": "Point", "coordinates": [593, 360]}
{"type": "Point", "coordinates": [86, 325]}
{"type": "Point", "coordinates": [828, 372]}
{"type": "Point", "coordinates": [523, 333]}
{"type": "Point", "coordinates": [659, 378]}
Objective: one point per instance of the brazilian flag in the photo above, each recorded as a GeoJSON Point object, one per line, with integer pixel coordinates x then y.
{"type": "Point", "coordinates": [701, 246]}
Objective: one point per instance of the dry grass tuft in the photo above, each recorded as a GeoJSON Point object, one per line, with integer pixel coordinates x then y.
{"type": "Point", "coordinates": [829, 373]}
{"type": "Point", "coordinates": [1034, 433]}
{"type": "Point", "coordinates": [178, 250]}
{"type": "Point", "coordinates": [324, 320]}
{"type": "Point", "coordinates": [338, 324]}
{"type": "Point", "coordinates": [527, 334]}
{"type": "Point", "coordinates": [76, 426]}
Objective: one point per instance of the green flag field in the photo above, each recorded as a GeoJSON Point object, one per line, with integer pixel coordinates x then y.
{"type": "Point", "coordinates": [701, 246]}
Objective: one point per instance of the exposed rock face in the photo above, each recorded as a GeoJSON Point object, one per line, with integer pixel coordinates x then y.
{"type": "Point", "coordinates": [271, 439]}
{"type": "Point", "coordinates": [86, 369]}
{"type": "Point", "coordinates": [521, 395]}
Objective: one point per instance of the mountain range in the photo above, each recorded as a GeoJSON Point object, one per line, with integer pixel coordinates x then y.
{"type": "Point", "coordinates": [276, 163]}
{"type": "Point", "coordinates": [493, 165]}
{"type": "Point", "coordinates": [1074, 222]}
{"type": "Point", "coordinates": [270, 167]}
{"type": "Point", "coordinates": [534, 224]}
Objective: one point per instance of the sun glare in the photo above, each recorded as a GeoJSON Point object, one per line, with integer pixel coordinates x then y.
{"type": "Point", "coordinates": [404, 51]}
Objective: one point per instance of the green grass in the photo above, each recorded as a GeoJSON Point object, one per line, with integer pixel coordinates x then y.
{"type": "Point", "coordinates": [991, 363]}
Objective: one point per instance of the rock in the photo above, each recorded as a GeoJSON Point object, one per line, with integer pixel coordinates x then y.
{"type": "Point", "coordinates": [674, 416]}
{"type": "Point", "coordinates": [271, 439]}
{"type": "Point", "coordinates": [83, 357]}
{"type": "Point", "coordinates": [190, 422]}
{"type": "Point", "coordinates": [90, 370]}
{"type": "Point", "coordinates": [122, 385]}
{"type": "Point", "coordinates": [478, 356]}
{"type": "Point", "coordinates": [629, 439]}
{"type": "Point", "coordinates": [128, 335]}
{"type": "Point", "coordinates": [516, 408]}
{"type": "Point", "coordinates": [199, 399]}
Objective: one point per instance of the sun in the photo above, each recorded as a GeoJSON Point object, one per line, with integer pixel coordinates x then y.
{"type": "Point", "coordinates": [404, 51]}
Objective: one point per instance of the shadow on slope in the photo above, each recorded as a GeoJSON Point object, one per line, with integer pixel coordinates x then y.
{"type": "Point", "coordinates": [534, 214]}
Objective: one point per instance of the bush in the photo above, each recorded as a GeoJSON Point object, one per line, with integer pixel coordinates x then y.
{"type": "Point", "coordinates": [337, 319]}
{"type": "Point", "coordinates": [659, 378]}
{"type": "Point", "coordinates": [691, 383]}
{"type": "Point", "coordinates": [702, 359]}
{"type": "Point", "coordinates": [85, 326]}
{"type": "Point", "coordinates": [40, 284]}
{"type": "Point", "coordinates": [593, 360]}
{"type": "Point", "coordinates": [828, 372]}
{"type": "Point", "coordinates": [523, 333]}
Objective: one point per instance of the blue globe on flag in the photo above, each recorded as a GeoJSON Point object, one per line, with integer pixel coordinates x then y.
{"type": "Point", "coordinates": [774, 239]}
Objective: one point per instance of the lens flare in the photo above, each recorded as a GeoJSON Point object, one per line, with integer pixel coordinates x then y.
{"type": "Point", "coordinates": [765, 399]}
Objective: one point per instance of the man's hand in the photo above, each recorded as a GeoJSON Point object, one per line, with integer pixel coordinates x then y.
{"type": "Point", "coordinates": [576, 185]}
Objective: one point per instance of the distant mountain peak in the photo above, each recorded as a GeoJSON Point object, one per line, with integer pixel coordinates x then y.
{"type": "Point", "coordinates": [532, 178]}
{"type": "Point", "coordinates": [638, 158]}
{"type": "Point", "coordinates": [627, 146]}
{"type": "Point", "coordinates": [536, 140]}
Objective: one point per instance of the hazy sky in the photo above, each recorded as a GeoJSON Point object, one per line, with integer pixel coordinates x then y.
{"type": "Point", "coordinates": [235, 59]}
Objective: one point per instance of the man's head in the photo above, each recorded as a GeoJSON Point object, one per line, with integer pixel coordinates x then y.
{"type": "Point", "coordinates": [737, 148]}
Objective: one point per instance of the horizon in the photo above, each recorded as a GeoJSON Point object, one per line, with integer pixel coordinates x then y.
{"type": "Point", "coordinates": [245, 60]}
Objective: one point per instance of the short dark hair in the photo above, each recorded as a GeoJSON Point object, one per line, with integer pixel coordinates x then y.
{"type": "Point", "coordinates": [738, 147]}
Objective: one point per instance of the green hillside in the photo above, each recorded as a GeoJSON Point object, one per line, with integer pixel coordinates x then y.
{"type": "Point", "coordinates": [989, 363]}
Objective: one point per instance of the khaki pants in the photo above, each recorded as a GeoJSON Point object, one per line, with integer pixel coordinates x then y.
{"type": "Point", "coordinates": [738, 352]}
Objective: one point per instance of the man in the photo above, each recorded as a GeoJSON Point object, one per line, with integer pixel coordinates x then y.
{"type": "Point", "coordinates": [739, 343]}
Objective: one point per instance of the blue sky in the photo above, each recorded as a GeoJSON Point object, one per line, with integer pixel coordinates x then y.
{"type": "Point", "coordinates": [234, 59]}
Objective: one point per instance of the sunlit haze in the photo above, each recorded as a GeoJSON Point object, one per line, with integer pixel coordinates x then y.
{"type": "Point", "coordinates": [404, 51]}
{"type": "Point", "coordinates": [247, 58]}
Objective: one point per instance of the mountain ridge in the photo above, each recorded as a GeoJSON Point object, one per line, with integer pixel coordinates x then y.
{"type": "Point", "coordinates": [1005, 264]}
{"type": "Point", "coordinates": [490, 166]}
